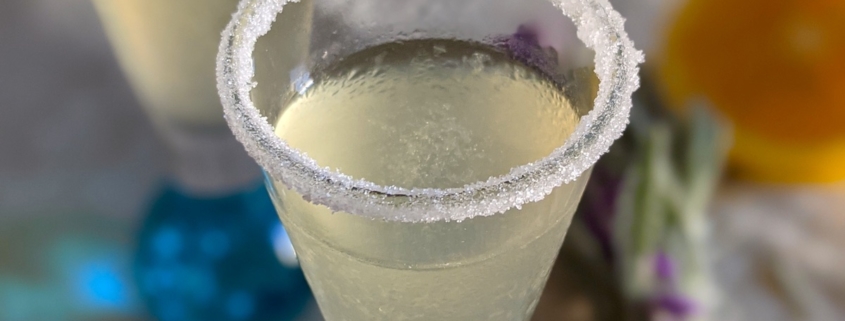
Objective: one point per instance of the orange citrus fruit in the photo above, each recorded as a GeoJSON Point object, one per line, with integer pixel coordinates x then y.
{"type": "Point", "coordinates": [776, 69]}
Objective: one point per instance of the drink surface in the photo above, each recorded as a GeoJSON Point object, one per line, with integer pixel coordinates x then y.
{"type": "Point", "coordinates": [438, 114]}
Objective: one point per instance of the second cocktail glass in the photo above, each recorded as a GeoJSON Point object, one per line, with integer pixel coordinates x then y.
{"type": "Point", "coordinates": [426, 157]}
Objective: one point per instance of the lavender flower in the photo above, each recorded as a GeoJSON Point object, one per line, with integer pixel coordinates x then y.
{"type": "Point", "coordinates": [669, 300]}
{"type": "Point", "coordinates": [677, 306]}
{"type": "Point", "coordinates": [524, 46]}
{"type": "Point", "coordinates": [664, 267]}
{"type": "Point", "coordinates": [598, 205]}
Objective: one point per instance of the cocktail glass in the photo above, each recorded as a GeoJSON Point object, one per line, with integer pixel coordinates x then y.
{"type": "Point", "coordinates": [463, 246]}
{"type": "Point", "coordinates": [210, 246]}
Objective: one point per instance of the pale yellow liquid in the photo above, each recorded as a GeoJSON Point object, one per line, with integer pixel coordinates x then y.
{"type": "Point", "coordinates": [428, 114]}
{"type": "Point", "coordinates": [168, 49]}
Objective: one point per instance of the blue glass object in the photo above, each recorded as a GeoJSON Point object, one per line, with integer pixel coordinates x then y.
{"type": "Point", "coordinates": [221, 258]}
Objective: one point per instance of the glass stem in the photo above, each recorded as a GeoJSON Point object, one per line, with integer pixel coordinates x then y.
{"type": "Point", "coordinates": [208, 162]}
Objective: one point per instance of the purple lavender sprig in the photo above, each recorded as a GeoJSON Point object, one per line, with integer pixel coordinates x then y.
{"type": "Point", "coordinates": [672, 307]}
{"type": "Point", "coordinates": [597, 208]}
{"type": "Point", "coordinates": [664, 268]}
{"type": "Point", "coordinates": [524, 46]}
{"type": "Point", "coordinates": [646, 202]}
{"type": "Point", "coordinates": [668, 300]}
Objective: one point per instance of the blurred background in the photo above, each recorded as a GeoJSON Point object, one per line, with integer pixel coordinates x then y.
{"type": "Point", "coordinates": [725, 199]}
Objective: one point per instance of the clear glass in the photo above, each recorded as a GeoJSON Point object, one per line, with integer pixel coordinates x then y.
{"type": "Point", "coordinates": [375, 247]}
{"type": "Point", "coordinates": [167, 50]}
{"type": "Point", "coordinates": [210, 246]}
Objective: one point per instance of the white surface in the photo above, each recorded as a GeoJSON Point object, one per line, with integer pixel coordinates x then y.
{"type": "Point", "coordinates": [791, 234]}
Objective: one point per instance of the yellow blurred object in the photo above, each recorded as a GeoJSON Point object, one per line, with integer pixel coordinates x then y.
{"type": "Point", "coordinates": [776, 69]}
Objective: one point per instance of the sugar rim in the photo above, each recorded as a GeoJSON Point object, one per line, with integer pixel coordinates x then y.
{"type": "Point", "coordinates": [599, 27]}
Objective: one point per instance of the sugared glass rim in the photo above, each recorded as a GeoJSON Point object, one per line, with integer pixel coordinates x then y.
{"type": "Point", "coordinates": [599, 27]}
